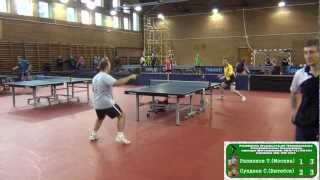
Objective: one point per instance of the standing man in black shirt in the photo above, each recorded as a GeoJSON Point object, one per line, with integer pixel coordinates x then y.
{"type": "Point", "coordinates": [305, 91]}
{"type": "Point", "coordinates": [153, 61]}
{"type": "Point", "coordinates": [60, 62]}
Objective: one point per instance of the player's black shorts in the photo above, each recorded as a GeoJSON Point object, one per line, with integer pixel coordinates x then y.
{"type": "Point", "coordinates": [229, 82]}
{"type": "Point", "coordinates": [23, 76]}
{"type": "Point", "coordinates": [114, 111]}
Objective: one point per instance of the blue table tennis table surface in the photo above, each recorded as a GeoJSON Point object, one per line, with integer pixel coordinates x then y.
{"type": "Point", "coordinates": [174, 88]}
{"type": "Point", "coordinates": [8, 76]}
{"type": "Point", "coordinates": [48, 80]}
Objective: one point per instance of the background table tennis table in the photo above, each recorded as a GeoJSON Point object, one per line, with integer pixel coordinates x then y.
{"type": "Point", "coordinates": [53, 82]}
{"type": "Point", "coordinates": [7, 78]}
{"type": "Point", "coordinates": [176, 89]}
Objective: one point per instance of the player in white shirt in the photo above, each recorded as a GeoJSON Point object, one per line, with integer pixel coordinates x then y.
{"type": "Point", "coordinates": [104, 103]}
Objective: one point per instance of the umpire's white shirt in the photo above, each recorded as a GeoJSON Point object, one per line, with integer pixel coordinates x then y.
{"type": "Point", "coordinates": [300, 77]}
{"type": "Point", "coordinates": [102, 91]}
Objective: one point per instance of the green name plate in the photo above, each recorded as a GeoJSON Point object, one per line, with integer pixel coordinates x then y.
{"type": "Point", "coordinates": [287, 160]}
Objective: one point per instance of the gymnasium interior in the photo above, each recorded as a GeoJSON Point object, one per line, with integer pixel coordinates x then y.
{"type": "Point", "coordinates": [45, 127]}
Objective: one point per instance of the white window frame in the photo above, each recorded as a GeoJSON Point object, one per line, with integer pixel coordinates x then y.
{"type": "Point", "coordinates": [135, 21]}
{"type": "Point", "coordinates": [98, 21]}
{"type": "Point", "coordinates": [4, 6]}
{"type": "Point", "coordinates": [106, 17]}
{"type": "Point", "coordinates": [19, 7]}
{"type": "Point", "coordinates": [126, 25]}
{"type": "Point", "coordinates": [47, 14]}
{"type": "Point", "coordinates": [74, 14]}
{"type": "Point", "coordinates": [115, 22]}
{"type": "Point", "coordinates": [126, 9]}
{"type": "Point", "coordinates": [99, 3]}
{"type": "Point", "coordinates": [96, 2]}
{"type": "Point", "coordinates": [115, 3]}
{"type": "Point", "coordinates": [55, 5]}
{"type": "Point", "coordinates": [82, 19]}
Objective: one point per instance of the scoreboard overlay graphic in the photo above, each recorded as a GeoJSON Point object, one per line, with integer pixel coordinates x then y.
{"type": "Point", "coordinates": [271, 160]}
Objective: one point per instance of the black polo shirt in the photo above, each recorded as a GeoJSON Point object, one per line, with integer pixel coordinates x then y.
{"type": "Point", "coordinates": [308, 85]}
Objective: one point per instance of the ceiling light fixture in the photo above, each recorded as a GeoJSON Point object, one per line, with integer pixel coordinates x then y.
{"type": "Point", "coordinates": [113, 12]}
{"type": "Point", "coordinates": [138, 8]}
{"type": "Point", "coordinates": [64, 1]}
{"type": "Point", "coordinates": [282, 4]}
{"type": "Point", "coordinates": [161, 16]}
{"type": "Point", "coordinates": [91, 5]}
{"type": "Point", "coordinates": [215, 11]}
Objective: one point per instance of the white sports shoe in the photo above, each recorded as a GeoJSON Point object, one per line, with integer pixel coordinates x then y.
{"type": "Point", "coordinates": [220, 98]}
{"type": "Point", "coordinates": [93, 137]}
{"type": "Point", "coordinates": [243, 98]}
{"type": "Point", "coordinates": [122, 139]}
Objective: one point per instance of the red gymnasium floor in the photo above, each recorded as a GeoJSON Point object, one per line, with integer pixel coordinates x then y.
{"type": "Point", "coordinates": [51, 143]}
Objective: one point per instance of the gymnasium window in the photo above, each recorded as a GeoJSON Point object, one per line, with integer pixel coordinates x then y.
{"type": "Point", "coordinates": [99, 3]}
{"type": "Point", "coordinates": [85, 17]}
{"type": "Point", "coordinates": [115, 3]}
{"type": "Point", "coordinates": [43, 9]}
{"type": "Point", "coordinates": [108, 21]}
{"type": "Point", "coordinates": [3, 6]}
{"type": "Point", "coordinates": [126, 10]}
{"type": "Point", "coordinates": [115, 22]}
{"type": "Point", "coordinates": [71, 15]}
{"type": "Point", "coordinates": [24, 7]}
{"type": "Point", "coordinates": [136, 22]}
{"type": "Point", "coordinates": [98, 18]}
{"type": "Point", "coordinates": [126, 23]}
{"type": "Point", "coordinates": [59, 11]}
{"type": "Point", "coordinates": [96, 2]}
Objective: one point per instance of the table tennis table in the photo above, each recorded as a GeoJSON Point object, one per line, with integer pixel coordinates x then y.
{"type": "Point", "coordinates": [177, 90]}
{"type": "Point", "coordinates": [53, 82]}
{"type": "Point", "coordinates": [7, 78]}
